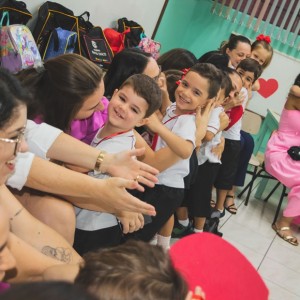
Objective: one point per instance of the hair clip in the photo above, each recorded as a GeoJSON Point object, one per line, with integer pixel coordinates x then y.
{"type": "Point", "coordinates": [265, 38]}
{"type": "Point", "coordinates": [184, 71]}
{"type": "Point", "coordinates": [178, 82]}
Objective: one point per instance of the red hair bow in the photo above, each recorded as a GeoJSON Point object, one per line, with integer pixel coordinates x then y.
{"type": "Point", "coordinates": [265, 38]}
{"type": "Point", "coordinates": [184, 71]}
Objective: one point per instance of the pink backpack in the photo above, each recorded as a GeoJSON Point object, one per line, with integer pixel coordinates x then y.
{"type": "Point", "coordinates": [150, 46]}
{"type": "Point", "coordinates": [17, 47]}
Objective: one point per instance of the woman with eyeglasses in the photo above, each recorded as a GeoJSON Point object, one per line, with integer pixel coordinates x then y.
{"type": "Point", "coordinates": [34, 246]}
{"type": "Point", "coordinates": [128, 62]}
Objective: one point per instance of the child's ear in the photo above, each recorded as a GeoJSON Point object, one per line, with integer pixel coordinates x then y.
{"type": "Point", "coordinates": [142, 122]}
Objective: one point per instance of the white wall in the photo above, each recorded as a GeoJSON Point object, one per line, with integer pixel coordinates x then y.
{"type": "Point", "coordinates": [284, 69]}
{"type": "Point", "coordinates": [104, 13]}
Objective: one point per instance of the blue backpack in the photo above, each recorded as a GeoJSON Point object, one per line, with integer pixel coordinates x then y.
{"type": "Point", "coordinates": [61, 41]}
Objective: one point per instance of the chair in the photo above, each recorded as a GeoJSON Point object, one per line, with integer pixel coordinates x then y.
{"type": "Point", "coordinates": [262, 173]}
{"type": "Point", "coordinates": [251, 124]}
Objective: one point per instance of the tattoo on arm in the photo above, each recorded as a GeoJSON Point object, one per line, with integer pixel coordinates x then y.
{"type": "Point", "coordinates": [59, 253]}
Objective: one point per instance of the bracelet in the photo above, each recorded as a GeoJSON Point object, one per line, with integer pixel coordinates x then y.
{"type": "Point", "coordinates": [99, 161]}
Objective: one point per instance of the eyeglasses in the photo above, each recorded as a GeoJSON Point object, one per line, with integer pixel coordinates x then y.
{"type": "Point", "coordinates": [17, 141]}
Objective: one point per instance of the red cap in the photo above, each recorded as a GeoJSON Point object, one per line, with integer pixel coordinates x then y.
{"type": "Point", "coordinates": [222, 271]}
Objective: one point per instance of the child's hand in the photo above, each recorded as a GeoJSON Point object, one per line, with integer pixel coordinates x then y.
{"type": "Point", "coordinates": [224, 121]}
{"type": "Point", "coordinates": [218, 150]}
{"type": "Point", "coordinates": [162, 83]}
{"type": "Point", "coordinates": [154, 123]}
{"type": "Point", "coordinates": [197, 295]}
{"type": "Point", "coordinates": [130, 221]}
{"type": "Point", "coordinates": [202, 118]}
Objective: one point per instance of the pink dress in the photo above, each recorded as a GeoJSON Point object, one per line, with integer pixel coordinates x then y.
{"type": "Point", "coordinates": [86, 129]}
{"type": "Point", "coordinates": [280, 164]}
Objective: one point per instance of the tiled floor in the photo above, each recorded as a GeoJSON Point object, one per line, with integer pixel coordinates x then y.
{"type": "Point", "coordinates": [277, 261]}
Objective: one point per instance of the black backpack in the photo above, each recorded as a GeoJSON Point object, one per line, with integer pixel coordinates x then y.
{"type": "Point", "coordinates": [50, 16]}
{"type": "Point", "coordinates": [94, 45]}
{"type": "Point", "coordinates": [133, 38]}
{"type": "Point", "coordinates": [18, 13]}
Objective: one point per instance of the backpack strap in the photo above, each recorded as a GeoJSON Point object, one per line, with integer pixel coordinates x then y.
{"type": "Point", "coordinates": [5, 14]}
{"type": "Point", "coordinates": [55, 40]}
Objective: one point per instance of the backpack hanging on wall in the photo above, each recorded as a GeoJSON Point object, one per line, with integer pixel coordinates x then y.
{"type": "Point", "coordinates": [18, 13]}
{"type": "Point", "coordinates": [61, 41]}
{"type": "Point", "coordinates": [53, 15]}
{"type": "Point", "coordinates": [133, 38]}
{"type": "Point", "coordinates": [150, 46]}
{"type": "Point", "coordinates": [93, 42]}
{"type": "Point", "coordinates": [17, 47]}
{"type": "Point", "coordinates": [115, 39]}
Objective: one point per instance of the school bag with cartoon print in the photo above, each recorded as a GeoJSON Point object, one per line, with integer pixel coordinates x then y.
{"type": "Point", "coordinates": [18, 49]}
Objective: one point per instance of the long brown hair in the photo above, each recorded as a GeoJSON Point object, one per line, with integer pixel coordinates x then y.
{"type": "Point", "coordinates": [60, 89]}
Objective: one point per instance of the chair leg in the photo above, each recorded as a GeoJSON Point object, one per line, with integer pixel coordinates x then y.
{"type": "Point", "coordinates": [273, 190]}
{"type": "Point", "coordinates": [249, 184]}
{"type": "Point", "coordinates": [283, 194]}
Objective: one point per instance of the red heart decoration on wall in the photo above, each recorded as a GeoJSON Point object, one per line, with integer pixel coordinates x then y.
{"type": "Point", "coordinates": [267, 87]}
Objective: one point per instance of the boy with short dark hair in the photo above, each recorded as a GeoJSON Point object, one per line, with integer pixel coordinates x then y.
{"type": "Point", "coordinates": [138, 97]}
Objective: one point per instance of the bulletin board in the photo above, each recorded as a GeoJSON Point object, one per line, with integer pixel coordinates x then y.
{"type": "Point", "coordinates": [275, 83]}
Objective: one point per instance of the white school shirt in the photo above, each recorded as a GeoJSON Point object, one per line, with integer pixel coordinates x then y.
{"type": "Point", "coordinates": [234, 132]}
{"type": "Point", "coordinates": [213, 126]}
{"type": "Point", "coordinates": [93, 220]}
{"type": "Point", "coordinates": [185, 127]}
{"type": "Point", "coordinates": [39, 138]}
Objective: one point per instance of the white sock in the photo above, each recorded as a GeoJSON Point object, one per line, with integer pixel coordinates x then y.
{"type": "Point", "coordinates": [163, 241]}
{"type": "Point", "coordinates": [198, 230]}
{"type": "Point", "coordinates": [153, 241]}
{"type": "Point", "coordinates": [184, 223]}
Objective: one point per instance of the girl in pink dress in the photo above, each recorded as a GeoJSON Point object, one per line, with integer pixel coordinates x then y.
{"type": "Point", "coordinates": [282, 166]}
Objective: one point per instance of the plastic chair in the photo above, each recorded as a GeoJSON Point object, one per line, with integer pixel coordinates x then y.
{"type": "Point", "coordinates": [251, 123]}
{"type": "Point", "coordinates": [262, 173]}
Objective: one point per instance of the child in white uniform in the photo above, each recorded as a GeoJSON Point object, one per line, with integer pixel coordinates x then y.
{"type": "Point", "coordinates": [199, 85]}
{"type": "Point", "coordinates": [138, 98]}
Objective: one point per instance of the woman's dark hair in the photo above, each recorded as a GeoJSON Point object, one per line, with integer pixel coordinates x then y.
{"type": "Point", "coordinates": [12, 95]}
{"type": "Point", "coordinates": [134, 270]}
{"type": "Point", "coordinates": [233, 42]}
{"type": "Point", "coordinates": [128, 62]}
{"type": "Point", "coordinates": [52, 290]}
{"type": "Point", "coordinates": [297, 80]}
{"type": "Point", "coordinates": [216, 58]}
{"type": "Point", "coordinates": [60, 89]}
{"type": "Point", "coordinates": [177, 58]}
